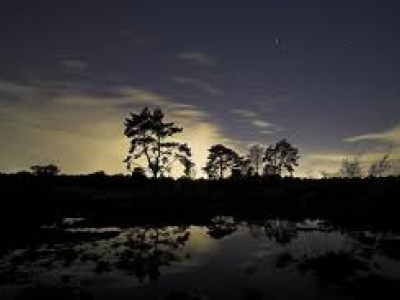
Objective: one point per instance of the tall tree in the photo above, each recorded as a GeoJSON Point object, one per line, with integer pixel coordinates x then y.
{"type": "Point", "coordinates": [281, 157]}
{"type": "Point", "coordinates": [149, 136]}
{"type": "Point", "coordinates": [256, 157]}
{"type": "Point", "coordinates": [220, 160]}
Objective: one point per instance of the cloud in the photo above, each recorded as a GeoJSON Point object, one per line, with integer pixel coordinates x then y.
{"type": "Point", "coordinates": [197, 58]}
{"type": "Point", "coordinates": [244, 113]}
{"type": "Point", "coordinates": [198, 84]}
{"type": "Point", "coordinates": [83, 132]}
{"type": "Point", "coordinates": [266, 132]}
{"type": "Point", "coordinates": [188, 115]}
{"type": "Point", "coordinates": [312, 164]}
{"type": "Point", "coordinates": [261, 124]}
{"type": "Point", "coordinates": [123, 96]}
{"type": "Point", "coordinates": [391, 136]}
{"type": "Point", "coordinates": [10, 87]}
{"type": "Point", "coordinates": [253, 119]}
{"type": "Point", "coordinates": [74, 64]}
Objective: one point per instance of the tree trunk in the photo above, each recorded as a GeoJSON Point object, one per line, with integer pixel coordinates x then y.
{"type": "Point", "coordinates": [221, 173]}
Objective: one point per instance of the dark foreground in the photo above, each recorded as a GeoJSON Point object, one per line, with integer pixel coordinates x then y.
{"type": "Point", "coordinates": [99, 237]}
{"type": "Point", "coordinates": [224, 258]}
{"type": "Point", "coordinates": [33, 199]}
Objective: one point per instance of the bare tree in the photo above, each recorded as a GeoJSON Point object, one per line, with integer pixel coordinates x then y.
{"type": "Point", "coordinates": [351, 168]}
{"type": "Point", "coordinates": [380, 166]}
{"type": "Point", "coordinates": [255, 155]}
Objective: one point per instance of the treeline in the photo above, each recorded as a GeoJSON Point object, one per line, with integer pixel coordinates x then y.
{"type": "Point", "coordinates": [370, 200]}
{"type": "Point", "coordinates": [154, 153]}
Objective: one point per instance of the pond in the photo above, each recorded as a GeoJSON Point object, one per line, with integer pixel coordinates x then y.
{"type": "Point", "coordinates": [224, 258]}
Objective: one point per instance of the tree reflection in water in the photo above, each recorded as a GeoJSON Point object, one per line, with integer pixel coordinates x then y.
{"type": "Point", "coordinates": [146, 250]}
{"type": "Point", "coordinates": [221, 226]}
{"type": "Point", "coordinates": [75, 261]}
{"type": "Point", "coordinates": [138, 251]}
{"type": "Point", "coordinates": [280, 231]}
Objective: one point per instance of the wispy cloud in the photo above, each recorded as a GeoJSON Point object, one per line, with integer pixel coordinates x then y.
{"type": "Point", "coordinates": [11, 87]}
{"type": "Point", "coordinates": [261, 123]}
{"type": "Point", "coordinates": [244, 113]}
{"type": "Point", "coordinates": [313, 164]}
{"type": "Point", "coordinates": [198, 58]}
{"type": "Point", "coordinates": [83, 131]}
{"type": "Point", "coordinates": [74, 64]}
{"type": "Point", "coordinates": [198, 84]}
{"type": "Point", "coordinates": [389, 136]}
{"type": "Point", "coordinates": [266, 132]}
{"type": "Point", "coordinates": [123, 96]}
{"type": "Point", "coordinates": [253, 119]}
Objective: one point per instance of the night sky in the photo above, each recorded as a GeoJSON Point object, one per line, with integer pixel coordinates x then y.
{"type": "Point", "coordinates": [324, 74]}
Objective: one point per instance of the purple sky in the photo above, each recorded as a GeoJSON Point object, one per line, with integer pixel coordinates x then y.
{"type": "Point", "coordinates": [324, 74]}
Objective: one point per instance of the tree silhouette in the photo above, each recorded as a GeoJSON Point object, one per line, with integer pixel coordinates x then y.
{"type": "Point", "coordinates": [256, 157]}
{"type": "Point", "coordinates": [281, 157]}
{"type": "Point", "coordinates": [380, 166]}
{"type": "Point", "coordinates": [220, 160]}
{"type": "Point", "coordinates": [351, 168]}
{"type": "Point", "coordinates": [148, 134]}
{"type": "Point", "coordinates": [46, 170]}
{"type": "Point", "coordinates": [242, 168]}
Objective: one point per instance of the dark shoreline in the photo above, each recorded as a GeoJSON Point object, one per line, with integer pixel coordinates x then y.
{"type": "Point", "coordinates": [30, 199]}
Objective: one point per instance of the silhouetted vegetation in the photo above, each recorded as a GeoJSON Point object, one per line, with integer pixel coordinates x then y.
{"type": "Point", "coordinates": [148, 134]}
{"type": "Point", "coordinates": [135, 226]}
{"type": "Point", "coordinates": [221, 159]}
{"type": "Point", "coordinates": [256, 157]}
{"type": "Point", "coordinates": [371, 200]}
{"type": "Point", "coordinates": [280, 157]}
{"type": "Point", "coordinates": [47, 170]}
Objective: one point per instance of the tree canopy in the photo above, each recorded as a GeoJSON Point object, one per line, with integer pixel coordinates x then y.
{"type": "Point", "coordinates": [220, 160]}
{"type": "Point", "coordinates": [255, 156]}
{"type": "Point", "coordinates": [280, 157]}
{"type": "Point", "coordinates": [150, 141]}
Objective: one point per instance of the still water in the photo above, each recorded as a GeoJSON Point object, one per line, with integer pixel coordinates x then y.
{"type": "Point", "coordinates": [222, 259]}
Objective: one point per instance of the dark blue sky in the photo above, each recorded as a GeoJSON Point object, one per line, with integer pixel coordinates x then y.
{"type": "Point", "coordinates": [317, 72]}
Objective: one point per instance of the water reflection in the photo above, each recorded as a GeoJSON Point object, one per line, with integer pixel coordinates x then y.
{"type": "Point", "coordinates": [221, 226]}
{"type": "Point", "coordinates": [143, 251]}
{"type": "Point", "coordinates": [255, 259]}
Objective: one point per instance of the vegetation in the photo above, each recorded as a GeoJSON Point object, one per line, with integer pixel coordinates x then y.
{"type": "Point", "coordinates": [256, 157]}
{"type": "Point", "coordinates": [220, 160]}
{"type": "Point", "coordinates": [47, 170]}
{"type": "Point", "coordinates": [149, 137]}
{"type": "Point", "coordinates": [237, 187]}
{"type": "Point", "coordinates": [370, 201]}
{"type": "Point", "coordinates": [281, 157]}
{"type": "Point", "coordinates": [152, 151]}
